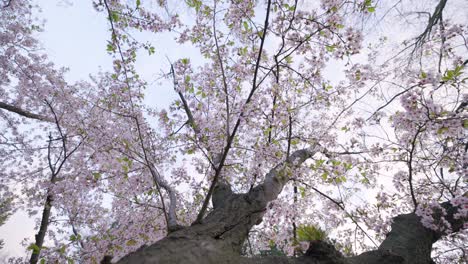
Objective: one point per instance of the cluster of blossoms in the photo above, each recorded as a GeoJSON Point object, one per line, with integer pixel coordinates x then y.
{"type": "Point", "coordinates": [433, 217]}
{"type": "Point", "coordinates": [360, 75]}
{"type": "Point", "coordinates": [238, 14]}
{"type": "Point", "coordinates": [461, 202]}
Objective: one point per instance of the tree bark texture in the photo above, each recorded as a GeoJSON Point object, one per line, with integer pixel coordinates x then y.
{"type": "Point", "coordinates": [39, 238]}
{"type": "Point", "coordinates": [219, 238]}
{"type": "Point", "coordinates": [221, 234]}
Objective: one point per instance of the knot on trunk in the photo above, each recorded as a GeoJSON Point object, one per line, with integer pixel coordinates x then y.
{"type": "Point", "coordinates": [106, 260]}
{"type": "Point", "coordinates": [221, 193]}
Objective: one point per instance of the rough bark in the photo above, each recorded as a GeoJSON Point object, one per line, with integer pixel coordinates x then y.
{"type": "Point", "coordinates": [219, 237]}
{"type": "Point", "coordinates": [39, 237]}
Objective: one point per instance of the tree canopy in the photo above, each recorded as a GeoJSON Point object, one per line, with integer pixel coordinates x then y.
{"type": "Point", "coordinates": [324, 131]}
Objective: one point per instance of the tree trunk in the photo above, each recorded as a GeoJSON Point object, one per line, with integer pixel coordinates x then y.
{"type": "Point", "coordinates": [221, 234]}
{"type": "Point", "coordinates": [42, 230]}
{"type": "Point", "coordinates": [218, 239]}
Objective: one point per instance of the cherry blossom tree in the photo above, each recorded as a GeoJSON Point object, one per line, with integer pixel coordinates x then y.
{"type": "Point", "coordinates": [299, 135]}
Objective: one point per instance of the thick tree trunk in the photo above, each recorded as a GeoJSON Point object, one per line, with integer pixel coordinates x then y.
{"type": "Point", "coordinates": [219, 237]}
{"type": "Point", "coordinates": [39, 242]}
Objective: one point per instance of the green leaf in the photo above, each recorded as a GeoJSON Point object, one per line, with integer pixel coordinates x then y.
{"type": "Point", "coordinates": [336, 162]}
{"type": "Point", "coordinates": [246, 25]}
{"type": "Point", "coordinates": [138, 3]}
{"type": "Point", "coordinates": [42, 261]}
{"type": "Point", "coordinates": [243, 51]}
{"type": "Point", "coordinates": [340, 179]}
{"type": "Point", "coordinates": [450, 75]}
{"type": "Point", "coordinates": [348, 166]}
{"type": "Point", "coordinates": [358, 75]}
{"type": "Point", "coordinates": [194, 4]}
{"type": "Point", "coordinates": [114, 16]}
{"type": "Point", "coordinates": [319, 162]}
{"type": "Point", "coordinates": [442, 130]}
{"type": "Point", "coordinates": [289, 7]}
{"type": "Point", "coordinates": [302, 191]}
{"type": "Point", "coordinates": [330, 48]}
{"type": "Point", "coordinates": [110, 48]}
{"type": "Point", "coordinates": [371, 9]}
{"type": "Point", "coordinates": [96, 176]}
{"type": "Point", "coordinates": [131, 242]}
{"type": "Point", "coordinates": [35, 248]}
{"type": "Point", "coordinates": [365, 180]}
{"type": "Point", "coordinates": [310, 233]}
{"type": "Point", "coordinates": [325, 176]}
{"type": "Point", "coordinates": [62, 250]}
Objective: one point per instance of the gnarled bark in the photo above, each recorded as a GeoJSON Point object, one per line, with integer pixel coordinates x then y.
{"type": "Point", "coordinates": [219, 237]}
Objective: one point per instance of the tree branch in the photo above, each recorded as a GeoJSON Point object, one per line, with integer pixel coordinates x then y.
{"type": "Point", "coordinates": [280, 175]}
{"type": "Point", "coordinates": [409, 241]}
{"type": "Point", "coordinates": [233, 134]}
{"type": "Point", "coordinates": [24, 113]}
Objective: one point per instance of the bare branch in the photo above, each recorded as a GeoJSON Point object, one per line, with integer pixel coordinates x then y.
{"type": "Point", "coordinates": [410, 168]}
{"type": "Point", "coordinates": [225, 86]}
{"type": "Point", "coordinates": [433, 20]}
{"type": "Point", "coordinates": [23, 113]}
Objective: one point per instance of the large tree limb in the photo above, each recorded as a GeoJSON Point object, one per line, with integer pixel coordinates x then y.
{"type": "Point", "coordinates": [280, 175]}
{"type": "Point", "coordinates": [172, 224]}
{"type": "Point", "coordinates": [219, 238]}
{"type": "Point", "coordinates": [410, 242]}
{"type": "Point", "coordinates": [23, 113]}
